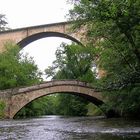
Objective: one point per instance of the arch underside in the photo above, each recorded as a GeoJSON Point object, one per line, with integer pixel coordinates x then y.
{"type": "Point", "coordinates": [88, 97]}
{"type": "Point", "coordinates": [37, 36]}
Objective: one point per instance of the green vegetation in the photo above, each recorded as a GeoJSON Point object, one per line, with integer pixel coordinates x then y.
{"type": "Point", "coordinates": [113, 45]}
{"type": "Point", "coordinates": [71, 105]}
{"type": "Point", "coordinates": [42, 106]}
{"type": "Point", "coordinates": [72, 62]}
{"type": "Point", "coordinates": [93, 110]}
{"type": "Point", "coordinates": [2, 108]}
{"type": "Point", "coordinates": [57, 104]}
{"type": "Point", "coordinates": [113, 28]}
{"type": "Point", "coordinates": [16, 69]}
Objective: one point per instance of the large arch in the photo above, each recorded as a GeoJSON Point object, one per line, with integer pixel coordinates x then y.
{"type": "Point", "coordinates": [21, 35]}
{"type": "Point", "coordinates": [41, 35]}
{"type": "Point", "coordinates": [26, 95]}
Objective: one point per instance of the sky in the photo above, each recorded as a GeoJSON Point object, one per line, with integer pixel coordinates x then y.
{"type": "Point", "coordinates": [24, 13]}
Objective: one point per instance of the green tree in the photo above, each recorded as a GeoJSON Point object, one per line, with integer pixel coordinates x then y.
{"type": "Point", "coordinates": [16, 69]}
{"type": "Point", "coordinates": [2, 108]}
{"type": "Point", "coordinates": [71, 105]}
{"type": "Point", "coordinates": [42, 106]}
{"type": "Point", "coordinates": [113, 27]}
{"type": "Point", "coordinates": [73, 62]}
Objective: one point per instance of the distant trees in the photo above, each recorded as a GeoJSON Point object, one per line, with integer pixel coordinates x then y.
{"type": "Point", "coordinates": [43, 106]}
{"type": "Point", "coordinates": [73, 62]}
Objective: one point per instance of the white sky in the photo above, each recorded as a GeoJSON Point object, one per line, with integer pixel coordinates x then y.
{"type": "Point", "coordinates": [24, 13]}
{"type": "Point", "coordinates": [21, 13]}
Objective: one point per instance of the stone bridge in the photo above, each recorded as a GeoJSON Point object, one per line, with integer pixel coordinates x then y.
{"type": "Point", "coordinates": [17, 98]}
{"type": "Point", "coordinates": [24, 36]}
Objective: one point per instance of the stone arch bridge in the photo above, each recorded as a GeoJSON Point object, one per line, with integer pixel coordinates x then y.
{"type": "Point", "coordinates": [17, 98]}
{"type": "Point", "coordinates": [26, 35]}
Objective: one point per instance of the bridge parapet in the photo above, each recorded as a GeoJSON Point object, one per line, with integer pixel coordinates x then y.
{"type": "Point", "coordinates": [52, 84]}
{"type": "Point", "coordinates": [14, 91]}
{"type": "Point", "coordinates": [8, 92]}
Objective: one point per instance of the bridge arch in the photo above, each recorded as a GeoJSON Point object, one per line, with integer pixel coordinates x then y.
{"type": "Point", "coordinates": [27, 95]}
{"type": "Point", "coordinates": [21, 35]}
{"type": "Point", "coordinates": [87, 97]}
{"type": "Point", "coordinates": [41, 35]}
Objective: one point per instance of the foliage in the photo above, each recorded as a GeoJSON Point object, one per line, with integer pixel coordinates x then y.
{"type": "Point", "coordinates": [114, 27]}
{"type": "Point", "coordinates": [93, 110]}
{"type": "Point", "coordinates": [2, 108]}
{"type": "Point", "coordinates": [73, 62]}
{"type": "Point", "coordinates": [42, 106]}
{"type": "Point", "coordinates": [125, 101]}
{"type": "Point", "coordinates": [71, 105]}
{"type": "Point", "coordinates": [17, 69]}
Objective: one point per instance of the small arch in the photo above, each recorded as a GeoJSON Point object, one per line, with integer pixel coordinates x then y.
{"type": "Point", "coordinates": [91, 99]}
{"type": "Point", "coordinates": [37, 36]}
{"type": "Point", "coordinates": [27, 94]}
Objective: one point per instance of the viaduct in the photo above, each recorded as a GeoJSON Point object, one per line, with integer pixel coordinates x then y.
{"type": "Point", "coordinates": [15, 99]}
{"type": "Point", "coordinates": [24, 36]}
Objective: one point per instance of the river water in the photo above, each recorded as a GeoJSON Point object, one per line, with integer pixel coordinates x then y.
{"type": "Point", "coordinates": [69, 128]}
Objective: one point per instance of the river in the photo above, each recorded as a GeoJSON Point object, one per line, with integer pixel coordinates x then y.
{"type": "Point", "coordinates": [69, 128]}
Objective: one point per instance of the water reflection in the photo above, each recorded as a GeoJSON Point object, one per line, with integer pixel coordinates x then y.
{"type": "Point", "coordinates": [69, 128]}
